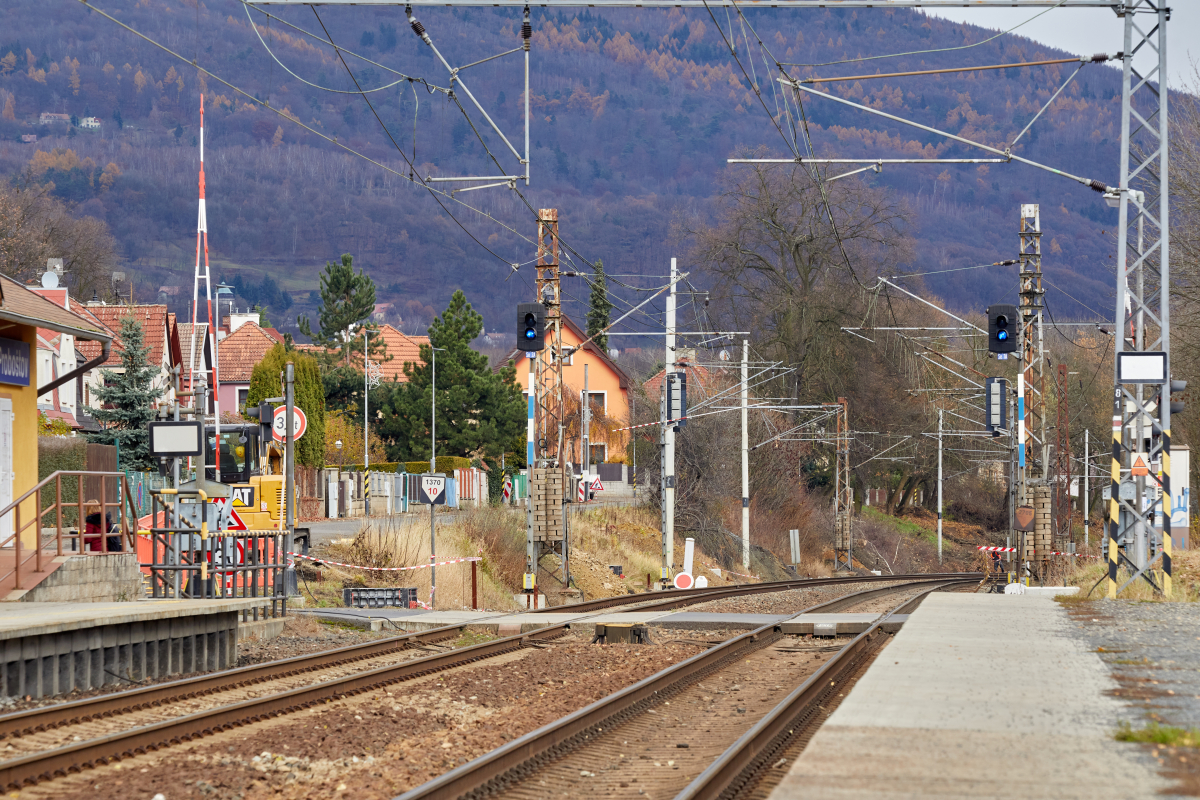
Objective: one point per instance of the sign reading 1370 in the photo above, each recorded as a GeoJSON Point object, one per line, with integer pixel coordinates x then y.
{"type": "Point", "coordinates": [433, 490]}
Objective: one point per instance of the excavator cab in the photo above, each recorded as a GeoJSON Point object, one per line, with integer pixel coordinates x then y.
{"type": "Point", "coordinates": [239, 449]}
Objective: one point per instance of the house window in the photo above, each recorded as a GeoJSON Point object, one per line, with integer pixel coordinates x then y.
{"type": "Point", "coordinates": [599, 401]}
{"type": "Point", "coordinates": [243, 395]}
{"type": "Point", "coordinates": [599, 453]}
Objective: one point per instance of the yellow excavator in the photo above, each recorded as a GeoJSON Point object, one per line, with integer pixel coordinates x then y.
{"type": "Point", "coordinates": [252, 468]}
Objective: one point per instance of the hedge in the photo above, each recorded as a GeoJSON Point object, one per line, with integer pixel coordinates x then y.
{"type": "Point", "coordinates": [444, 464]}
{"type": "Point", "coordinates": [61, 453]}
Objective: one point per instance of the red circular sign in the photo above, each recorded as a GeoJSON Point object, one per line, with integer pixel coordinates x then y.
{"type": "Point", "coordinates": [279, 427]}
{"type": "Point", "coordinates": [683, 581]}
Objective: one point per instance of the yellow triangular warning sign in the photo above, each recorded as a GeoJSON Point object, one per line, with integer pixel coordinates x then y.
{"type": "Point", "coordinates": [1139, 467]}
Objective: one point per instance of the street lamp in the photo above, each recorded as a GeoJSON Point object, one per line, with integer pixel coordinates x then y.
{"type": "Point", "coordinates": [338, 445]}
{"type": "Point", "coordinates": [433, 469]}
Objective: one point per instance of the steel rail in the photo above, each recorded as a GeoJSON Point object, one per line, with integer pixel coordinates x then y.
{"type": "Point", "coordinates": [34, 720]}
{"type": "Point", "coordinates": [687, 596]}
{"type": "Point", "coordinates": [518, 758]}
{"type": "Point", "coordinates": [738, 767]}
{"type": "Point", "coordinates": [28, 769]}
{"type": "Point", "coordinates": [37, 766]}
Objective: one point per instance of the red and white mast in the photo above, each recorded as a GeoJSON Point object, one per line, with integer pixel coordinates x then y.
{"type": "Point", "coordinates": [202, 235]}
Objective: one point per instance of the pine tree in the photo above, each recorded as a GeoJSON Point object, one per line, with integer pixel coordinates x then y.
{"type": "Point", "coordinates": [125, 399]}
{"type": "Point", "coordinates": [599, 307]}
{"type": "Point", "coordinates": [478, 411]}
{"type": "Point", "coordinates": [347, 301]}
{"type": "Point", "coordinates": [310, 397]}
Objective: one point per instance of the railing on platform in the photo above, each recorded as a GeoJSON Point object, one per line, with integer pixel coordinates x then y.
{"type": "Point", "coordinates": [184, 559]}
{"type": "Point", "coordinates": [122, 528]}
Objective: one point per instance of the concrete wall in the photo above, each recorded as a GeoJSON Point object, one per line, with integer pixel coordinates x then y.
{"type": "Point", "coordinates": [102, 578]}
{"type": "Point", "coordinates": [57, 663]}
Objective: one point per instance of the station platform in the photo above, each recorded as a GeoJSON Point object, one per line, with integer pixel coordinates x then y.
{"type": "Point", "coordinates": [981, 696]}
{"type": "Point", "coordinates": [54, 648]}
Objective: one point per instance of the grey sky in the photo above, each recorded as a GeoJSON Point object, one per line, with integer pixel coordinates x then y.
{"type": "Point", "coordinates": [1084, 31]}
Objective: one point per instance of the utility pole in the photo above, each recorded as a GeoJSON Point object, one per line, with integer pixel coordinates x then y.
{"type": "Point", "coordinates": [745, 455]}
{"type": "Point", "coordinates": [587, 425]}
{"type": "Point", "coordinates": [1087, 474]}
{"type": "Point", "coordinates": [433, 470]}
{"type": "Point", "coordinates": [1062, 463]}
{"type": "Point", "coordinates": [939, 486]}
{"type": "Point", "coordinates": [668, 438]}
{"type": "Point", "coordinates": [289, 466]}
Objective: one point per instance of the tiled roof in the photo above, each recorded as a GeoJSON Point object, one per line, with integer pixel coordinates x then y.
{"type": "Point", "coordinates": [238, 352]}
{"type": "Point", "coordinates": [156, 325]}
{"type": "Point", "coordinates": [21, 305]}
{"type": "Point", "coordinates": [403, 349]}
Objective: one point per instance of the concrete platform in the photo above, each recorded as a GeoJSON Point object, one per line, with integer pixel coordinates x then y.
{"type": "Point", "coordinates": [54, 648]}
{"type": "Point", "coordinates": [980, 696]}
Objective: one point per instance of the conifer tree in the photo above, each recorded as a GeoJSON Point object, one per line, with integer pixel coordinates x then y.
{"type": "Point", "coordinates": [478, 411]}
{"type": "Point", "coordinates": [125, 400]}
{"type": "Point", "coordinates": [599, 306]}
{"type": "Point", "coordinates": [347, 302]}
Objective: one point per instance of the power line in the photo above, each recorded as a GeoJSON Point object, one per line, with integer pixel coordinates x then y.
{"type": "Point", "coordinates": [935, 50]}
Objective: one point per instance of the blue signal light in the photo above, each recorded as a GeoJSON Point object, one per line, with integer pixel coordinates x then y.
{"type": "Point", "coordinates": [1002, 335]}
{"type": "Point", "coordinates": [530, 333]}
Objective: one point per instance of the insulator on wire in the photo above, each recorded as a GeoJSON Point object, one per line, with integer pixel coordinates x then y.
{"type": "Point", "coordinates": [526, 30]}
{"type": "Point", "coordinates": [417, 27]}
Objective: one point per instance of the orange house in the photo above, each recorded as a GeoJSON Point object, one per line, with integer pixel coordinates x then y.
{"type": "Point", "coordinates": [608, 391]}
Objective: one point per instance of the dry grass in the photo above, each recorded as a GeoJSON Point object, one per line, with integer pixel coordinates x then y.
{"type": "Point", "coordinates": [1159, 734]}
{"type": "Point", "coordinates": [1185, 580]}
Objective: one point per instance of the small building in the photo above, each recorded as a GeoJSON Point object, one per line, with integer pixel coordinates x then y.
{"type": "Point", "coordinates": [237, 354]}
{"type": "Point", "coordinates": [608, 389]}
{"type": "Point", "coordinates": [28, 138]}
{"type": "Point", "coordinates": [57, 355]}
{"type": "Point", "coordinates": [91, 123]}
{"type": "Point", "coordinates": [48, 118]}
{"type": "Point", "coordinates": [402, 349]}
{"type": "Point", "coordinates": [161, 335]}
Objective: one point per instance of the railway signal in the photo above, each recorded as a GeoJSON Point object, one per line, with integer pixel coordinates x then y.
{"type": "Point", "coordinates": [996, 405]}
{"type": "Point", "coordinates": [1002, 319]}
{"type": "Point", "coordinates": [531, 327]}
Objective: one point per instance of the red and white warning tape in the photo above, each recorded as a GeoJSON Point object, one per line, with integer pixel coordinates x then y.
{"type": "Point", "coordinates": [386, 569]}
{"type": "Point", "coordinates": [1013, 550]}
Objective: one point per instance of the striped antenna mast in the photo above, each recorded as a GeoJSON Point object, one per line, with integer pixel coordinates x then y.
{"type": "Point", "coordinates": [202, 237]}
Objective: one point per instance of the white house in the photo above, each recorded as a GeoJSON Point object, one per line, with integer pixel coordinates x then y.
{"type": "Point", "coordinates": [90, 122]}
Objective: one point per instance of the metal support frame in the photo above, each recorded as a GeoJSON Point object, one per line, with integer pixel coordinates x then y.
{"type": "Point", "coordinates": [547, 478]}
{"type": "Point", "coordinates": [843, 548]}
{"type": "Point", "coordinates": [1142, 303]}
{"type": "Point", "coordinates": [1033, 453]}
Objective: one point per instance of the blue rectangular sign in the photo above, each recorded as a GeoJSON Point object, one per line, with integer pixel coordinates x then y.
{"type": "Point", "coordinates": [15, 362]}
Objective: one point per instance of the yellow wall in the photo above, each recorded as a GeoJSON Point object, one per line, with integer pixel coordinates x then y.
{"type": "Point", "coordinates": [25, 452]}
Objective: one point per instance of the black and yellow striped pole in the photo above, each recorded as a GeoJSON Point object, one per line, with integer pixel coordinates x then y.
{"type": "Point", "coordinates": [1114, 497]}
{"type": "Point", "coordinates": [1167, 502]}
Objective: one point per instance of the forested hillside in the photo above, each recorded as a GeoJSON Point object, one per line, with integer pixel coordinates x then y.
{"type": "Point", "coordinates": [635, 114]}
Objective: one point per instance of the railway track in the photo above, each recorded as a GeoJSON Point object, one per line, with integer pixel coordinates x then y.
{"type": "Point", "coordinates": [42, 761]}
{"type": "Point", "coordinates": [634, 743]}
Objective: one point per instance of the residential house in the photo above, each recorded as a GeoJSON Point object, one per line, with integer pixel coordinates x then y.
{"type": "Point", "coordinates": [22, 313]}
{"type": "Point", "coordinates": [237, 354]}
{"type": "Point", "coordinates": [28, 138]}
{"type": "Point", "coordinates": [401, 349]}
{"type": "Point", "coordinates": [700, 379]}
{"type": "Point", "coordinates": [91, 123]}
{"type": "Point", "coordinates": [56, 356]}
{"type": "Point", "coordinates": [608, 389]}
{"type": "Point", "coordinates": [161, 335]}
{"type": "Point", "coordinates": [48, 118]}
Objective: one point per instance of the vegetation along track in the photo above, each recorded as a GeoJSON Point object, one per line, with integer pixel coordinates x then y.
{"type": "Point", "coordinates": [669, 733]}
{"type": "Point", "coordinates": [34, 766]}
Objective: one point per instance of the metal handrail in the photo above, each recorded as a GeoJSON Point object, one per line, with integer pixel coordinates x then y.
{"type": "Point", "coordinates": [56, 477]}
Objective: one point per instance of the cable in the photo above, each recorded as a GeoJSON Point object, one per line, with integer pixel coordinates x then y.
{"type": "Point", "coordinates": [1077, 300]}
{"type": "Point", "coordinates": [937, 50]}
{"type": "Point", "coordinates": [1007, 263]}
{"type": "Point", "coordinates": [403, 76]}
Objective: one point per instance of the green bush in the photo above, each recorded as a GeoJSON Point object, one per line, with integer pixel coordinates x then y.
{"type": "Point", "coordinates": [382, 466]}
